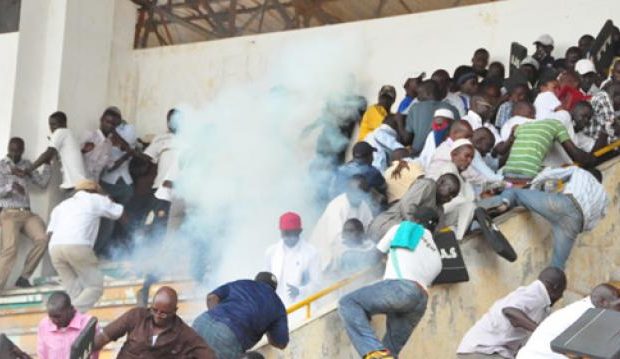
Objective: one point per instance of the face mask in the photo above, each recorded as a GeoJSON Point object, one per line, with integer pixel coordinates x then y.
{"type": "Point", "coordinates": [290, 240]}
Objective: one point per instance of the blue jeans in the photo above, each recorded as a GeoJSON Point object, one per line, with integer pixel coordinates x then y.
{"type": "Point", "coordinates": [404, 303]}
{"type": "Point", "coordinates": [559, 209]}
{"type": "Point", "coordinates": [218, 336]}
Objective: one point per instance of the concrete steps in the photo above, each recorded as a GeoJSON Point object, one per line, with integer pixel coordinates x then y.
{"type": "Point", "coordinates": [21, 310]}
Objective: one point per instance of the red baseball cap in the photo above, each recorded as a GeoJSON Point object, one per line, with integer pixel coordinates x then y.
{"type": "Point", "coordinates": [290, 221]}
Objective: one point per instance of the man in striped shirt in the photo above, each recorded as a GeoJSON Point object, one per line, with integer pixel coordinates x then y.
{"type": "Point", "coordinates": [530, 143]}
{"type": "Point", "coordinates": [571, 199]}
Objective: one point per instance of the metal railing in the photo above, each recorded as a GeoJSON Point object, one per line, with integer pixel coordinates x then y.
{"type": "Point", "coordinates": [610, 147]}
{"type": "Point", "coordinates": [323, 292]}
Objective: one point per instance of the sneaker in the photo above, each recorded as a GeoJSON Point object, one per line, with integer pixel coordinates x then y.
{"type": "Point", "coordinates": [379, 354]}
{"type": "Point", "coordinates": [23, 283]}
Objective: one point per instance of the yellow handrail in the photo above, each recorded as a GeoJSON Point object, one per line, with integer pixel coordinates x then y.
{"type": "Point", "coordinates": [320, 294]}
{"type": "Point", "coordinates": [610, 147]}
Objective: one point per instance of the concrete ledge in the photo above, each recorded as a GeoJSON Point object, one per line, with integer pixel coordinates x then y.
{"type": "Point", "coordinates": [454, 308]}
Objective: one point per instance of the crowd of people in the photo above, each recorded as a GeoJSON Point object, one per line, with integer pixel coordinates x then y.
{"type": "Point", "coordinates": [474, 140]}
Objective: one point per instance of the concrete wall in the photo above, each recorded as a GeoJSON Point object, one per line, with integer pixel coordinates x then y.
{"type": "Point", "coordinates": [8, 63]}
{"type": "Point", "coordinates": [453, 309]}
{"type": "Point", "coordinates": [146, 83]}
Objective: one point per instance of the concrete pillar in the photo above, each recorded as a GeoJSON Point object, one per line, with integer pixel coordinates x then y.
{"type": "Point", "coordinates": [63, 59]}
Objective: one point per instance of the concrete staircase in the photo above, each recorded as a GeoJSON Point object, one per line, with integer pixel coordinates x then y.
{"type": "Point", "coordinates": [21, 310]}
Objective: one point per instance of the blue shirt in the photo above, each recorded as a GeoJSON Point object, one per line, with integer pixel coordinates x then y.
{"type": "Point", "coordinates": [346, 171]}
{"type": "Point", "coordinates": [251, 309]}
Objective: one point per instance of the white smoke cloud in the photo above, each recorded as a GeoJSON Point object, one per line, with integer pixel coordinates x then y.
{"type": "Point", "coordinates": [243, 162]}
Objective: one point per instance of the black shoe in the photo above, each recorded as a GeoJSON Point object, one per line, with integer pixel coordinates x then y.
{"type": "Point", "coordinates": [494, 236]}
{"type": "Point", "coordinates": [23, 283]}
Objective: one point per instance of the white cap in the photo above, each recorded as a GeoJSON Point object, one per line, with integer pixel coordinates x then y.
{"type": "Point", "coordinates": [443, 112]}
{"type": "Point", "coordinates": [544, 39]}
{"type": "Point", "coordinates": [460, 143]}
{"type": "Point", "coordinates": [584, 66]}
{"type": "Point", "coordinates": [530, 61]}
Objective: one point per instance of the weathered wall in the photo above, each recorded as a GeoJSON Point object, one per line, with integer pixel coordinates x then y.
{"type": "Point", "coordinates": [453, 309]}
{"type": "Point", "coordinates": [146, 83]}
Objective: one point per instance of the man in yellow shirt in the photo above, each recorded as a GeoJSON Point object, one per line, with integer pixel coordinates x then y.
{"type": "Point", "coordinates": [374, 115]}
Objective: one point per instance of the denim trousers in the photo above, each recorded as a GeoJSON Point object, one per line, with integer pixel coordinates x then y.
{"type": "Point", "coordinates": [402, 301]}
{"type": "Point", "coordinates": [218, 336]}
{"type": "Point", "coordinates": [558, 209]}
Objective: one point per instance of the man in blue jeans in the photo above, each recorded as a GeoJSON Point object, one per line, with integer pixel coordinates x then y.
{"type": "Point", "coordinates": [240, 313]}
{"type": "Point", "coordinates": [573, 200]}
{"type": "Point", "coordinates": [413, 262]}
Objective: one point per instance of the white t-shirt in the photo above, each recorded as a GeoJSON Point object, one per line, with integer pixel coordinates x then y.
{"type": "Point", "coordinates": [70, 157]}
{"type": "Point", "coordinates": [76, 220]}
{"type": "Point", "coordinates": [546, 103]}
{"type": "Point", "coordinates": [421, 265]}
{"type": "Point", "coordinates": [493, 333]}
{"type": "Point", "coordinates": [164, 154]}
{"type": "Point", "coordinates": [510, 124]}
{"type": "Point", "coordinates": [539, 344]}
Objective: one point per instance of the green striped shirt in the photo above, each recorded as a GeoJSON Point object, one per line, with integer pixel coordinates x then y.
{"type": "Point", "coordinates": [532, 142]}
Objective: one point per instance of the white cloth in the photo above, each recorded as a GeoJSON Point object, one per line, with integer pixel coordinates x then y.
{"type": "Point", "coordinates": [76, 220]}
{"type": "Point", "coordinates": [474, 119]}
{"type": "Point", "coordinates": [584, 187]}
{"type": "Point", "coordinates": [545, 104]}
{"type": "Point", "coordinates": [441, 156]}
{"type": "Point", "coordinates": [98, 158]}
{"type": "Point", "coordinates": [70, 156]}
{"type": "Point", "coordinates": [584, 142]}
{"type": "Point", "coordinates": [493, 333]}
{"type": "Point", "coordinates": [510, 124]}
{"type": "Point", "coordinates": [455, 100]}
{"type": "Point", "coordinates": [328, 229]}
{"type": "Point", "coordinates": [163, 152]}
{"type": "Point", "coordinates": [421, 265]}
{"type": "Point", "coordinates": [383, 138]}
{"type": "Point", "coordinates": [539, 344]}
{"type": "Point", "coordinates": [128, 133]}
{"type": "Point", "coordinates": [428, 150]}
{"type": "Point", "coordinates": [479, 173]}
{"type": "Point", "coordinates": [476, 122]}
{"type": "Point", "coordinates": [298, 266]}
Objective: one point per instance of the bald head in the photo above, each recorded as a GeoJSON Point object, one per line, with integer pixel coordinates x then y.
{"type": "Point", "coordinates": [460, 129]}
{"type": "Point", "coordinates": [524, 109]}
{"type": "Point", "coordinates": [166, 295]}
{"type": "Point", "coordinates": [483, 140]}
{"type": "Point", "coordinates": [448, 187]}
{"type": "Point", "coordinates": [605, 296]}
{"type": "Point", "coordinates": [554, 280]}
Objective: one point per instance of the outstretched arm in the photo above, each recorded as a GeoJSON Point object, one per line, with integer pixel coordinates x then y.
{"type": "Point", "coordinates": [45, 157]}
{"type": "Point", "coordinates": [578, 155]}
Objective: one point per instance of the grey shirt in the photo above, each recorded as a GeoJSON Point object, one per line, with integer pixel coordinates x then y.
{"type": "Point", "coordinates": [9, 198]}
{"type": "Point", "coordinates": [421, 194]}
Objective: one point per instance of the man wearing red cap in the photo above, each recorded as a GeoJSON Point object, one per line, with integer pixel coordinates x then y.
{"type": "Point", "coordinates": [294, 261]}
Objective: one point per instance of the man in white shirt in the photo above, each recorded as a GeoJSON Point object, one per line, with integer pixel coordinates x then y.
{"type": "Point", "coordinates": [163, 152]}
{"type": "Point", "coordinates": [63, 144]}
{"type": "Point", "coordinates": [113, 174]}
{"type": "Point", "coordinates": [507, 325]}
{"type": "Point", "coordinates": [441, 131]}
{"type": "Point", "coordinates": [351, 204]}
{"type": "Point", "coordinates": [294, 262]}
{"type": "Point", "coordinates": [413, 263]}
{"type": "Point", "coordinates": [571, 199]}
{"type": "Point", "coordinates": [479, 115]}
{"type": "Point", "coordinates": [353, 251]}
{"type": "Point", "coordinates": [73, 230]}
{"type": "Point", "coordinates": [538, 346]}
